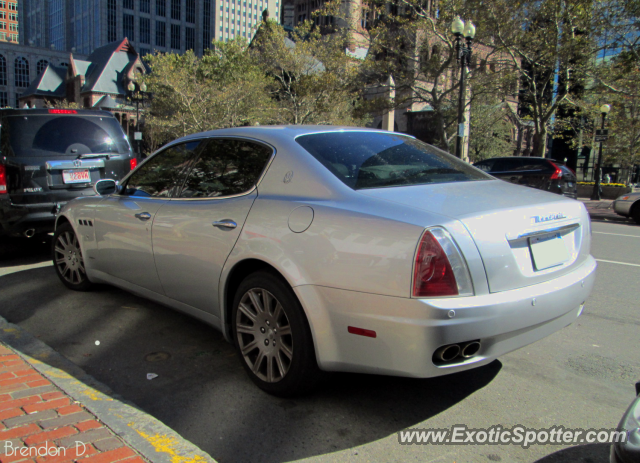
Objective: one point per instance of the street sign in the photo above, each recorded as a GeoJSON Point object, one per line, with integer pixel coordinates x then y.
{"type": "Point", "coordinates": [602, 135]}
{"type": "Point", "coordinates": [137, 135]}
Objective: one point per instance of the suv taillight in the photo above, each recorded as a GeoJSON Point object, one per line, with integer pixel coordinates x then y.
{"type": "Point", "coordinates": [439, 268]}
{"type": "Point", "coordinates": [133, 163]}
{"type": "Point", "coordinates": [3, 180]}
{"type": "Point", "coordinates": [558, 173]}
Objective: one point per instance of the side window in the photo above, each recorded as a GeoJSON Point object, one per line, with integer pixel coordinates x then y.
{"type": "Point", "coordinates": [484, 165]}
{"type": "Point", "coordinates": [226, 167]}
{"type": "Point", "coordinates": [537, 165]}
{"type": "Point", "coordinates": [506, 165]}
{"type": "Point", "coordinates": [162, 173]}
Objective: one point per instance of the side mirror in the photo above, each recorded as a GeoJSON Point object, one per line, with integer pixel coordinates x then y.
{"type": "Point", "coordinates": [105, 186]}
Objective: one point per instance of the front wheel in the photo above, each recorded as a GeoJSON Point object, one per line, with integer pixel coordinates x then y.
{"type": "Point", "coordinates": [67, 259]}
{"type": "Point", "coordinates": [272, 336]}
{"type": "Point", "coordinates": [635, 213]}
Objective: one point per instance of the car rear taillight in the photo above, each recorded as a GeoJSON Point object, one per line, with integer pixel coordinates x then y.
{"type": "Point", "coordinates": [439, 268]}
{"type": "Point", "coordinates": [3, 180]}
{"type": "Point", "coordinates": [63, 111]}
{"type": "Point", "coordinates": [558, 173]}
{"type": "Point", "coordinates": [133, 163]}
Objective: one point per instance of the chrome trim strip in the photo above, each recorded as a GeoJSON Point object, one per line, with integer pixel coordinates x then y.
{"type": "Point", "coordinates": [85, 164]}
{"type": "Point", "coordinates": [562, 229]}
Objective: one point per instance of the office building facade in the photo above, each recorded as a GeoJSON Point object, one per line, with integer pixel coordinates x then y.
{"type": "Point", "coordinates": [9, 28]}
{"type": "Point", "coordinates": [162, 25]}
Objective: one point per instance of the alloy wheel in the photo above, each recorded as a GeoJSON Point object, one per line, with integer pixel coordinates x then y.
{"type": "Point", "coordinates": [264, 335]}
{"type": "Point", "coordinates": [68, 258]}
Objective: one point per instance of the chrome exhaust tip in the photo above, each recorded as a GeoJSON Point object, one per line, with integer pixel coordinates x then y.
{"type": "Point", "coordinates": [470, 349]}
{"type": "Point", "coordinates": [447, 353]}
{"type": "Point", "coordinates": [29, 233]}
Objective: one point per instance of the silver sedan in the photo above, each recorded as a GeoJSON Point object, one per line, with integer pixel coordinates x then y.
{"type": "Point", "coordinates": [318, 249]}
{"type": "Point", "coordinates": [628, 205]}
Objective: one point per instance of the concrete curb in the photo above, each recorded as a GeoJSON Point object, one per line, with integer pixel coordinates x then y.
{"type": "Point", "coordinates": [145, 434]}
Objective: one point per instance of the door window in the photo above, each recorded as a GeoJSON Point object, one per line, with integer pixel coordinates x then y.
{"type": "Point", "coordinates": [506, 165]}
{"type": "Point", "coordinates": [226, 167]}
{"type": "Point", "coordinates": [161, 174]}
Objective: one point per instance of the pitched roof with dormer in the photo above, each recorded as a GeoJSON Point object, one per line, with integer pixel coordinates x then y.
{"type": "Point", "coordinates": [106, 70]}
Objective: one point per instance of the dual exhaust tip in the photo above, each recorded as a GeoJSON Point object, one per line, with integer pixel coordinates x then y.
{"type": "Point", "coordinates": [452, 352]}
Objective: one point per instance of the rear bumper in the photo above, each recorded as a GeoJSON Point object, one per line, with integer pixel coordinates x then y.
{"type": "Point", "coordinates": [408, 331]}
{"type": "Point", "coordinates": [16, 219]}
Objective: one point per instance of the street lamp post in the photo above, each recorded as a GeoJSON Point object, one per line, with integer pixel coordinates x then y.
{"type": "Point", "coordinates": [595, 194]}
{"type": "Point", "coordinates": [137, 93]}
{"type": "Point", "coordinates": [463, 57]}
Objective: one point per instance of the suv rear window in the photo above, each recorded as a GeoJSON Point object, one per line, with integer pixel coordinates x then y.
{"type": "Point", "coordinates": [364, 160]}
{"type": "Point", "coordinates": [43, 135]}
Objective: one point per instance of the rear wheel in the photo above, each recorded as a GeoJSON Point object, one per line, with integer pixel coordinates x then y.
{"type": "Point", "coordinates": [272, 336]}
{"type": "Point", "coordinates": [67, 259]}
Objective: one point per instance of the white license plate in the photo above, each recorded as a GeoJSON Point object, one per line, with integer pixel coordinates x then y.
{"type": "Point", "coordinates": [76, 176]}
{"type": "Point", "coordinates": [548, 251]}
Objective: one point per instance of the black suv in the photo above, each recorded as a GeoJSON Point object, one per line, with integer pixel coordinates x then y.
{"type": "Point", "coordinates": [50, 156]}
{"type": "Point", "coordinates": [541, 173]}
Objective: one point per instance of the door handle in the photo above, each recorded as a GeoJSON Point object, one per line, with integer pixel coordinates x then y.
{"type": "Point", "coordinates": [144, 216]}
{"type": "Point", "coordinates": [225, 224]}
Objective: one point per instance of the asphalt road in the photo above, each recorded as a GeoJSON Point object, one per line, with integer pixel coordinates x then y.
{"type": "Point", "coordinates": [580, 377]}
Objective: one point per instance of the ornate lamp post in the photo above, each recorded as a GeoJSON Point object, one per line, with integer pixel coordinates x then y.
{"type": "Point", "coordinates": [137, 92]}
{"type": "Point", "coordinates": [463, 57]}
{"type": "Point", "coordinates": [595, 194]}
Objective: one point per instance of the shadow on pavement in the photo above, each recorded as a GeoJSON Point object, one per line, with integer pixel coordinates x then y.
{"type": "Point", "coordinates": [590, 453]}
{"type": "Point", "coordinates": [24, 251]}
{"type": "Point", "coordinates": [202, 391]}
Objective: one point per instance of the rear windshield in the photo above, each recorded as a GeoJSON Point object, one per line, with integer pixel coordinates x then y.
{"type": "Point", "coordinates": [72, 135]}
{"type": "Point", "coordinates": [377, 160]}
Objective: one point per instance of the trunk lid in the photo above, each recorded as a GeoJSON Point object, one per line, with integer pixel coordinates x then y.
{"type": "Point", "coordinates": [524, 236]}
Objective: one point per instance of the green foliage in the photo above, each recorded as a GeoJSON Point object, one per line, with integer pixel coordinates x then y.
{"type": "Point", "coordinates": [224, 88]}
{"type": "Point", "coordinates": [490, 134]}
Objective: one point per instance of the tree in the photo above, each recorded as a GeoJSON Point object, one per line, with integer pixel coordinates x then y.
{"type": "Point", "coordinates": [491, 129]}
{"type": "Point", "coordinates": [313, 81]}
{"type": "Point", "coordinates": [224, 88]}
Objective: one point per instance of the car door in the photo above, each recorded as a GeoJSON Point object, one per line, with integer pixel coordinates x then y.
{"type": "Point", "coordinates": [123, 221]}
{"type": "Point", "coordinates": [508, 169]}
{"type": "Point", "coordinates": [538, 173]}
{"type": "Point", "coordinates": [194, 233]}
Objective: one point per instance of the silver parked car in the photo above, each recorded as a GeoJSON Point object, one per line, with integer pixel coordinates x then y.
{"type": "Point", "coordinates": [628, 205]}
{"type": "Point", "coordinates": [335, 249]}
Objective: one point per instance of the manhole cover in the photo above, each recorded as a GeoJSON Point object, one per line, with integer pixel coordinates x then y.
{"type": "Point", "coordinates": [157, 357]}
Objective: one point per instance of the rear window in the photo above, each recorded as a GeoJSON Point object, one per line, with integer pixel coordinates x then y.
{"type": "Point", "coordinates": [43, 135]}
{"type": "Point", "coordinates": [377, 160]}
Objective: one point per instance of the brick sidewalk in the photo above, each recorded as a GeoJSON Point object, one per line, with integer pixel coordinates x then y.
{"type": "Point", "coordinates": [39, 423]}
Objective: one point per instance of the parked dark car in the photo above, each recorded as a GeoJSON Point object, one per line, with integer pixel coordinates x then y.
{"type": "Point", "coordinates": [628, 451]}
{"type": "Point", "coordinates": [50, 156]}
{"type": "Point", "coordinates": [541, 173]}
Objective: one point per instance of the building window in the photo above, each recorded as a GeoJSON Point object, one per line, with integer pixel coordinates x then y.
{"type": "Point", "coordinates": [175, 9]}
{"type": "Point", "coordinates": [128, 4]}
{"type": "Point", "coordinates": [144, 52]}
{"type": "Point", "coordinates": [161, 8]}
{"type": "Point", "coordinates": [206, 25]}
{"type": "Point", "coordinates": [41, 66]}
{"type": "Point", "coordinates": [21, 72]}
{"type": "Point", "coordinates": [190, 38]}
{"type": "Point", "coordinates": [13, 16]}
{"type": "Point", "coordinates": [13, 6]}
{"type": "Point", "coordinates": [127, 26]}
{"type": "Point", "coordinates": [161, 34]}
{"type": "Point", "coordinates": [191, 11]}
{"type": "Point", "coordinates": [175, 36]}
{"type": "Point", "coordinates": [112, 34]}
{"type": "Point", "coordinates": [3, 71]}
{"type": "Point", "coordinates": [145, 6]}
{"type": "Point", "coordinates": [4, 100]}
{"type": "Point", "coordinates": [18, 95]}
{"type": "Point", "coordinates": [145, 30]}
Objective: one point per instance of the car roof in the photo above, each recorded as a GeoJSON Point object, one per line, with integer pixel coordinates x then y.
{"type": "Point", "coordinates": [278, 132]}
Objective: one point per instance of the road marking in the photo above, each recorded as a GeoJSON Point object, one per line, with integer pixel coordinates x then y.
{"type": "Point", "coordinates": [616, 234]}
{"type": "Point", "coordinates": [619, 263]}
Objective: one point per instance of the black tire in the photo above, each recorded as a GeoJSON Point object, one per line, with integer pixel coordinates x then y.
{"type": "Point", "coordinates": [635, 212]}
{"type": "Point", "coordinates": [278, 356]}
{"type": "Point", "coordinates": [67, 259]}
